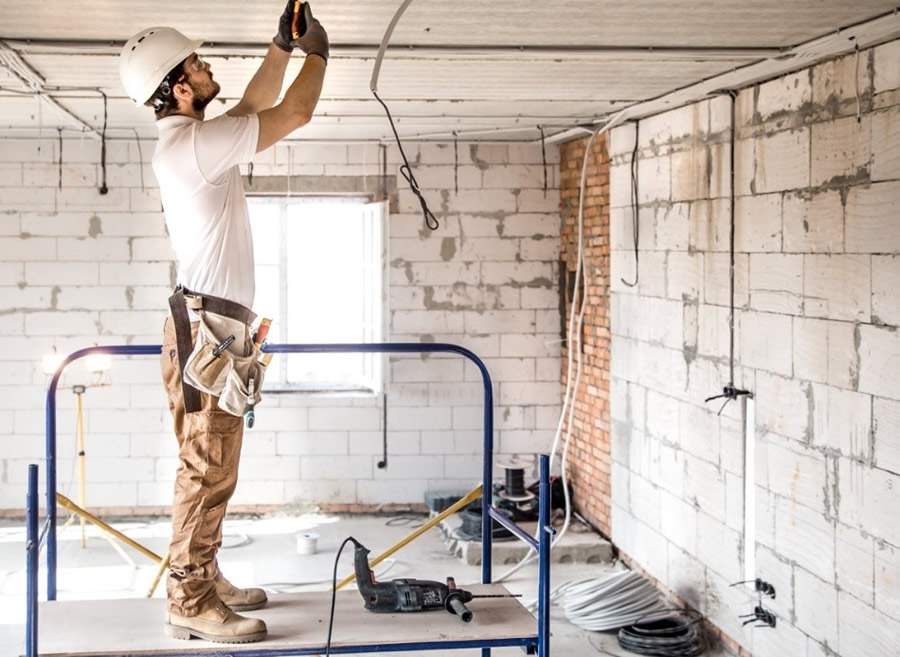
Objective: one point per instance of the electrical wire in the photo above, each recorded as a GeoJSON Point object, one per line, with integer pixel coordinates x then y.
{"type": "Point", "coordinates": [455, 162]}
{"type": "Point", "coordinates": [635, 210]}
{"type": "Point", "coordinates": [240, 541]}
{"type": "Point", "coordinates": [60, 161]}
{"type": "Point", "coordinates": [337, 558]}
{"type": "Point", "coordinates": [103, 188]}
{"type": "Point", "coordinates": [407, 172]}
{"type": "Point", "coordinates": [858, 99]}
{"type": "Point", "coordinates": [412, 520]}
{"type": "Point", "coordinates": [730, 391]}
{"type": "Point", "coordinates": [599, 604]}
{"type": "Point", "coordinates": [673, 635]}
{"type": "Point", "coordinates": [405, 169]}
{"type": "Point", "coordinates": [288, 586]}
{"type": "Point", "coordinates": [544, 156]}
{"type": "Point", "coordinates": [576, 324]}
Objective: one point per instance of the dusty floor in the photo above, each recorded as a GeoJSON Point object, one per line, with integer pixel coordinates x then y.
{"type": "Point", "coordinates": [263, 552]}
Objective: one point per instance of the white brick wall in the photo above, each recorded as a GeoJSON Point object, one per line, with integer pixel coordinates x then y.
{"type": "Point", "coordinates": [77, 268]}
{"type": "Point", "coordinates": [817, 342]}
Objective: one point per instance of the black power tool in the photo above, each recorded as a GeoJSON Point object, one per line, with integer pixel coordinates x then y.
{"type": "Point", "coordinates": [410, 595]}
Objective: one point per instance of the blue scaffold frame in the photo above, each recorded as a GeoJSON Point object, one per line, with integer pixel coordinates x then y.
{"type": "Point", "coordinates": [39, 535]}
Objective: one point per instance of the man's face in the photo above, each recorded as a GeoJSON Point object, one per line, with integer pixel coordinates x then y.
{"type": "Point", "coordinates": [200, 80]}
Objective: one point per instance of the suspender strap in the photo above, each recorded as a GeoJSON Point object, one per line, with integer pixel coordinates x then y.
{"type": "Point", "coordinates": [179, 302]}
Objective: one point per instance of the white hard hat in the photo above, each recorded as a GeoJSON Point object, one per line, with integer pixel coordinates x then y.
{"type": "Point", "coordinates": [148, 57]}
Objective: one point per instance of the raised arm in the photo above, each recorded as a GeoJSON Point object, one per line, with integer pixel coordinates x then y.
{"type": "Point", "coordinates": [299, 102]}
{"type": "Point", "coordinates": [263, 90]}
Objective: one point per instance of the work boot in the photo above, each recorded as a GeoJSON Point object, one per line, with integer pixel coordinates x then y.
{"type": "Point", "coordinates": [218, 624]}
{"type": "Point", "coordinates": [239, 599]}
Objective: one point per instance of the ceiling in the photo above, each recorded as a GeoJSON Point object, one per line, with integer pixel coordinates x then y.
{"type": "Point", "coordinates": [453, 66]}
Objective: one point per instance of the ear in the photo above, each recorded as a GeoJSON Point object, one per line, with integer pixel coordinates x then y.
{"type": "Point", "coordinates": [183, 91]}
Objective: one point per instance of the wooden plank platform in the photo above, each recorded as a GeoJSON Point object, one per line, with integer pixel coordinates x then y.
{"type": "Point", "coordinates": [297, 622]}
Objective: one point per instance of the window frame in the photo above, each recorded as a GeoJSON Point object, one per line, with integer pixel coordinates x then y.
{"type": "Point", "coordinates": [374, 369]}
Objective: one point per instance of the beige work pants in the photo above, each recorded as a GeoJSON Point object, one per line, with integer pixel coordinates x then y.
{"type": "Point", "coordinates": [209, 448]}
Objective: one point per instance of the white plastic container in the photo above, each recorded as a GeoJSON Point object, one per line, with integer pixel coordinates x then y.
{"type": "Point", "coordinates": [306, 543]}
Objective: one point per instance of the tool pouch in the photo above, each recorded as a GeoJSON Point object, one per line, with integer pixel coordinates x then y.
{"type": "Point", "coordinates": [224, 366]}
{"type": "Point", "coordinates": [242, 386]}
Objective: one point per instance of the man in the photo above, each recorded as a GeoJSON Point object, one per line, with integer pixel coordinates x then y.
{"type": "Point", "coordinates": [196, 164]}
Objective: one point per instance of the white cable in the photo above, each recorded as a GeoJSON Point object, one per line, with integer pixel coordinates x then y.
{"type": "Point", "coordinates": [376, 70]}
{"type": "Point", "coordinates": [606, 603]}
{"type": "Point", "coordinates": [575, 329]}
{"type": "Point", "coordinates": [283, 587]}
{"type": "Point", "coordinates": [571, 390]}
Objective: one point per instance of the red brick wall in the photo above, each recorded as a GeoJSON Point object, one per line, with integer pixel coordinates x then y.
{"type": "Point", "coordinates": [589, 456]}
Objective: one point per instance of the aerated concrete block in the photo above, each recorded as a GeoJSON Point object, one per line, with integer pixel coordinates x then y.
{"type": "Point", "coordinates": [886, 422]}
{"type": "Point", "coordinates": [886, 144]}
{"type": "Point", "coordinates": [837, 287]}
{"type": "Point", "coordinates": [815, 606]}
{"type": "Point", "coordinates": [813, 224]}
{"type": "Point", "coordinates": [776, 283]}
{"type": "Point", "coordinates": [879, 375]}
{"type": "Point", "coordinates": [781, 161]}
{"type": "Point", "coordinates": [765, 341]}
{"type": "Point", "coordinates": [871, 218]}
{"type": "Point", "coordinates": [841, 151]}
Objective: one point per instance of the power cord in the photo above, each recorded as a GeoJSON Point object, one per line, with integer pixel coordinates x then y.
{"type": "Point", "coordinates": [337, 558]}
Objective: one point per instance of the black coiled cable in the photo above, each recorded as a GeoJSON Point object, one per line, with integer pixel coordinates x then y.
{"type": "Point", "coordinates": [675, 635]}
{"type": "Point", "coordinates": [407, 172]}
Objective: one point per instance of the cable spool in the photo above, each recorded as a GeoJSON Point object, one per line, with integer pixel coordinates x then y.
{"type": "Point", "coordinates": [514, 489]}
{"type": "Point", "coordinates": [676, 635]}
{"type": "Point", "coordinates": [470, 530]}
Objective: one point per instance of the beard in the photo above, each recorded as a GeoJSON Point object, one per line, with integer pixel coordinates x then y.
{"type": "Point", "coordinates": [204, 94]}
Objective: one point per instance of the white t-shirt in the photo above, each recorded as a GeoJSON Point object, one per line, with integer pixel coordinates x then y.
{"type": "Point", "coordinates": [196, 164]}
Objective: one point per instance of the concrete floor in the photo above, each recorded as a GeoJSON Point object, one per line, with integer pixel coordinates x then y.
{"type": "Point", "coordinates": [263, 552]}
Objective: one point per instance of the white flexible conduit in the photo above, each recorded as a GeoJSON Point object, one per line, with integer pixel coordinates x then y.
{"type": "Point", "coordinates": [576, 323]}
{"type": "Point", "coordinates": [574, 347]}
{"type": "Point", "coordinates": [607, 603]}
{"type": "Point", "coordinates": [376, 70]}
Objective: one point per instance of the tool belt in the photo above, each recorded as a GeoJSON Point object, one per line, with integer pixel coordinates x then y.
{"type": "Point", "coordinates": [224, 361]}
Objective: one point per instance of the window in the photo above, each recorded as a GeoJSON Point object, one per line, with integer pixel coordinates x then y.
{"type": "Point", "coordinates": [319, 276]}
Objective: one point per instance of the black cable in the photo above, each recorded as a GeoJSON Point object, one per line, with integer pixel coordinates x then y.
{"type": "Point", "coordinates": [544, 157]}
{"type": "Point", "coordinates": [674, 635]}
{"type": "Point", "coordinates": [337, 558]}
{"type": "Point", "coordinates": [103, 188]}
{"type": "Point", "coordinates": [733, 96]}
{"type": "Point", "coordinates": [455, 162]}
{"type": "Point", "coordinates": [730, 391]}
{"type": "Point", "coordinates": [60, 140]}
{"type": "Point", "coordinates": [413, 520]}
{"type": "Point", "coordinates": [383, 463]}
{"type": "Point", "coordinates": [407, 173]}
{"type": "Point", "coordinates": [635, 210]}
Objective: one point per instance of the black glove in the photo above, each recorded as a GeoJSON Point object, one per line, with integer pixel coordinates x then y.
{"type": "Point", "coordinates": [283, 37]}
{"type": "Point", "coordinates": [314, 41]}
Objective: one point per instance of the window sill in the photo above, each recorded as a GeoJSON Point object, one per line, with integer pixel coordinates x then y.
{"type": "Point", "coordinates": [329, 392]}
